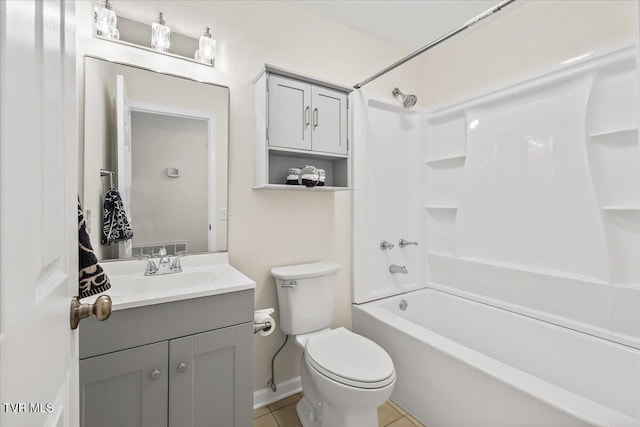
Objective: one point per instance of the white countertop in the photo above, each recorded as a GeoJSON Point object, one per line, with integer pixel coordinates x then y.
{"type": "Point", "coordinates": [203, 275]}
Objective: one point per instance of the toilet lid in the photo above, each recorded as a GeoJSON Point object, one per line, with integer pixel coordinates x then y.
{"type": "Point", "coordinates": [350, 359]}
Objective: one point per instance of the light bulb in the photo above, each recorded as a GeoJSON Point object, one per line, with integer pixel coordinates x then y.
{"type": "Point", "coordinates": [206, 48]}
{"type": "Point", "coordinates": [160, 35]}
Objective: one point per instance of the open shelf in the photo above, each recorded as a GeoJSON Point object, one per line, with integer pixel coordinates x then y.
{"type": "Point", "coordinates": [453, 159]}
{"type": "Point", "coordinates": [621, 208]}
{"type": "Point", "coordinates": [616, 135]}
{"type": "Point", "coordinates": [441, 207]}
{"type": "Point", "coordinates": [292, 152]}
{"type": "Point", "coordinates": [299, 188]}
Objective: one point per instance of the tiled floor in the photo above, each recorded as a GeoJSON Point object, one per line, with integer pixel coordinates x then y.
{"type": "Point", "coordinates": [283, 414]}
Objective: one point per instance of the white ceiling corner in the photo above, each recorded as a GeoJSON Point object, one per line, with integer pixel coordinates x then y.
{"type": "Point", "coordinates": [409, 24]}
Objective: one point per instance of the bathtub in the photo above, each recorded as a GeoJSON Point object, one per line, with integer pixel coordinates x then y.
{"type": "Point", "coordinates": [462, 363]}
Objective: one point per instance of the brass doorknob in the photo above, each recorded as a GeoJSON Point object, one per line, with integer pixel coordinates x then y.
{"type": "Point", "coordinates": [101, 308]}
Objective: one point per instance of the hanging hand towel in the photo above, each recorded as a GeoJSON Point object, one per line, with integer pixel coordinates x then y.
{"type": "Point", "coordinates": [92, 278]}
{"type": "Point", "coordinates": [115, 227]}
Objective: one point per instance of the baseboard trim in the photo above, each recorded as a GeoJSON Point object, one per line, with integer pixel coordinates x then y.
{"type": "Point", "coordinates": [265, 396]}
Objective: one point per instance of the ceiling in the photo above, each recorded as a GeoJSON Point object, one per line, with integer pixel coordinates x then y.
{"type": "Point", "coordinates": [408, 24]}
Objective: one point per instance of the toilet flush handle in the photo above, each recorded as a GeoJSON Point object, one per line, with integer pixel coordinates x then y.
{"type": "Point", "coordinates": [289, 284]}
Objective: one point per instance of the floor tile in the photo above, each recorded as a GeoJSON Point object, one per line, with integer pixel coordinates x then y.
{"type": "Point", "coordinates": [260, 412]}
{"type": "Point", "coordinates": [265, 421]}
{"type": "Point", "coordinates": [402, 422]}
{"type": "Point", "coordinates": [414, 421]}
{"type": "Point", "coordinates": [287, 417]}
{"type": "Point", "coordinates": [284, 402]}
{"type": "Point", "coordinates": [395, 406]}
{"type": "Point", "coordinates": [386, 415]}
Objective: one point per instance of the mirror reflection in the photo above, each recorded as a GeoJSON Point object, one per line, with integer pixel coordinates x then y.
{"type": "Point", "coordinates": [155, 162]}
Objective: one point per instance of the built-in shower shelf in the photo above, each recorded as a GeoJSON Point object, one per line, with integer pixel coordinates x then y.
{"type": "Point", "coordinates": [621, 208]}
{"type": "Point", "coordinates": [300, 188]}
{"type": "Point", "coordinates": [453, 159]}
{"type": "Point", "coordinates": [452, 207]}
{"type": "Point", "coordinates": [441, 254]}
{"type": "Point", "coordinates": [615, 135]}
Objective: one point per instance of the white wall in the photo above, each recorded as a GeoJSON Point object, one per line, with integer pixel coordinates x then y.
{"type": "Point", "coordinates": [267, 228]}
{"type": "Point", "coordinates": [523, 38]}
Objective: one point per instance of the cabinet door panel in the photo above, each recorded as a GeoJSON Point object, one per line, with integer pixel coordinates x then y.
{"type": "Point", "coordinates": [289, 113]}
{"type": "Point", "coordinates": [117, 389]}
{"type": "Point", "coordinates": [210, 380]}
{"type": "Point", "coordinates": [329, 120]}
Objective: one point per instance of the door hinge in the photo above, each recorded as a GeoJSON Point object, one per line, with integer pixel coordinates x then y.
{"type": "Point", "coordinates": [347, 102]}
{"type": "Point", "coordinates": [267, 133]}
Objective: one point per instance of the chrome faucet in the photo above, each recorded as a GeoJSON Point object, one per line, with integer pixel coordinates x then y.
{"type": "Point", "coordinates": [403, 243]}
{"type": "Point", "coordinates": [165, 264]}
{"type": "Point", "coordinates": [384, 245]}
{"type": "Point", "coordinates": [395, 269]}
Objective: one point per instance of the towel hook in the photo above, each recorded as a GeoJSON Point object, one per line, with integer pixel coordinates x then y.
{"type": "Point", "coordinates": [104, 172]}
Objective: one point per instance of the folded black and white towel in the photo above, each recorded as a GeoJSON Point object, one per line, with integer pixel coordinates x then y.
{"type": "Point", "coordinates": [115, 226]}
{"type": "Point", "coordinates": [92, 278]}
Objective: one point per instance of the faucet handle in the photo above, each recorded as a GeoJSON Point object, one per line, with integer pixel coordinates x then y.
{"type": "Point", "coordinates": [384, 245]}
{"type": "Point", "coordinates": [403, 243]}
{"type": "Point", "coordinates": [175, 264]}
{"type": "Point", "coordinates": [151, 266]}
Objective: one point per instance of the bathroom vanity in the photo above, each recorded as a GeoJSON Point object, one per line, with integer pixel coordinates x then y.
{"type": "Point", "coordinates": [170, 357]}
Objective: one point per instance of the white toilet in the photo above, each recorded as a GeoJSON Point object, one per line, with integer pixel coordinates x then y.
{"type": "Point", "coordinates": [345, 376]}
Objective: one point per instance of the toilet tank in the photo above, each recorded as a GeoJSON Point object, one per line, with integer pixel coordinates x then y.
{"type": "Point", "coordinates": [305, 296]}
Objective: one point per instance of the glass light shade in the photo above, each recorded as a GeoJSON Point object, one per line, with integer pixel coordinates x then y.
{"type": "Point", "coordinates": [206, 48]}
{"type": "Point", "coordinates": [105, 21]}
{"type": "Point", "coordinates": [160, 35]}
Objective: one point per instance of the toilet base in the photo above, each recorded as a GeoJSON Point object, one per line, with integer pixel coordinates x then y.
{"type": "Point", "coordinates": [331, 418]}
{"type": "Point", "coordinates": [361, 404]}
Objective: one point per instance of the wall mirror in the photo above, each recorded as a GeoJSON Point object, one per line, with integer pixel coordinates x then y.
{"type": "Point", "coordinates": [161, 142]}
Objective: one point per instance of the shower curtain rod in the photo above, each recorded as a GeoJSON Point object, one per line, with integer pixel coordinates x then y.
{"type": "Point", "coordinates": [423, 49]}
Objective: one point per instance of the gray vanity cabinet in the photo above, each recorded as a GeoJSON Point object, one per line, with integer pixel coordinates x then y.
{"type": "Point", "coordinates": [205, 371]}
{"type": "Point", "coordinates": [186, 363]}
{"type": "Point", "coordinates": [127, 388]}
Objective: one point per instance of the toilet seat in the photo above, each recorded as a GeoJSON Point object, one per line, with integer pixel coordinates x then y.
{"type": "Point", "coordinates": [349, 359]}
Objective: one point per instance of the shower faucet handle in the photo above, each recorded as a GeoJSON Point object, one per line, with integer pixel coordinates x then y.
{"type": "Point", "coordinates": [384, 245]}
{"type": "Point", "coordinates": [403, 243]}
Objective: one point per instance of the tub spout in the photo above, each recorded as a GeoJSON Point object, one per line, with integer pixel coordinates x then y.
{"type": "Point", "coordinates": [395, 269]}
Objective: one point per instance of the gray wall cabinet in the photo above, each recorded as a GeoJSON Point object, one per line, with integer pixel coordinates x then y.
{"type": "Point", "coordinates": [199, 374]}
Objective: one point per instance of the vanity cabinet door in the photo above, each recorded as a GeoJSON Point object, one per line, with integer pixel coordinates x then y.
{"type": "Point", "coordinates": [127, 388]}
{"type": "Point", "coordinates": [210, 379]}
{"type": "Point", "coordinates": [289, 124]}
{"type": "Point", "coordinates": [329, 120]}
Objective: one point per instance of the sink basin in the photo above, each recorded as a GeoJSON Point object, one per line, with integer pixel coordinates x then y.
{"type": "Point", "coordinates": [163, 283]}
{"type": "Point", "coordinates": [202, 275]}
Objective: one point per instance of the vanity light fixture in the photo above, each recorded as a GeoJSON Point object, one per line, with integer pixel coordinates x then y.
{"type": "Point", "coordinates": [206, 48]}
{"type": "Point", "coordinates": [160, 35]}
{"type": "Point", "coordinates": [105, 21]}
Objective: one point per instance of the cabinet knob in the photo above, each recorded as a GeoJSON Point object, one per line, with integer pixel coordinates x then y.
{"type": "Point", "coordinates": [155, 374]}
{"type": "Point", "coordinates": [182, 367]}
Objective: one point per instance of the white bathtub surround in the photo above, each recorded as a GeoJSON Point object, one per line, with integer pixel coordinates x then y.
{"type": "Point", "coordinates": [503, 368]}
{"type": "Point", "coordinates": [533, 194]}
{"type": "Point", "coordinates": [389, 203]}
{"type": "Point", "coordinates": [531, 201]}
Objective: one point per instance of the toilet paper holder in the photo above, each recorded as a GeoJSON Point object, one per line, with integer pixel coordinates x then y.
{"type": "Point", "coordinates": [262, 320]}
{"type": "Point", "coordinates": [262, 326]}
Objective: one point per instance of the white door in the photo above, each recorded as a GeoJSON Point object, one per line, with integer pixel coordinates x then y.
{"type": "Point", "coordinates": [329, 120]}
{"type": "Point", "coordinates": [123, 113]}
{"type": "Point", "coordinates": [289, 113]}
{"type": "Point", "coordinates": [38, 214]}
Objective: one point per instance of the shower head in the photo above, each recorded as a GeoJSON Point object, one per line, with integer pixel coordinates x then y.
{"type": "Point", "coordinates": [407, 100]}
